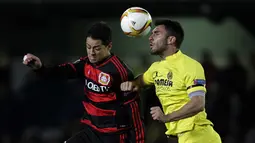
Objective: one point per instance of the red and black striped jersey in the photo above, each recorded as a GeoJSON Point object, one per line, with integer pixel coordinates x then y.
{"type": "Point", "coordinates": [107, 108]}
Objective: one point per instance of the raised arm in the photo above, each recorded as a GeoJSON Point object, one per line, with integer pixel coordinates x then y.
{"type": "Point", "coordinates": [140, 81]}
{"type": "Point", "coordinates": [62, 71]}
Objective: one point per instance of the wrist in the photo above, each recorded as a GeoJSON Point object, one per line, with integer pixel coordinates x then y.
{"type": "Point", "coordinates": [134, 83]}
{"type": "Point", "coordinates": [169, 117]}
{"type": "Point", "coordinates": [139, 80]}
{"type": "Point", "coordinates": [38, 68]}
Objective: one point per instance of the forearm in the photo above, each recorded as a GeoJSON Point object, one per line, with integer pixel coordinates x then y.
{"type": "Point", "coordinates": [56, 72]}
{"type": "Point", "coordinates": [188, 110]}
{"type": "Point", "coordinates": [47, 72]}
{"type": "Point", "coordinates": [139, 81]}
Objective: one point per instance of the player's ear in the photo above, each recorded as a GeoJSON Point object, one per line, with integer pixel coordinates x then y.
{"type": "Point", "coordinates": [109, 47]}
{"type": "Point", "coordinates": [171, 40]}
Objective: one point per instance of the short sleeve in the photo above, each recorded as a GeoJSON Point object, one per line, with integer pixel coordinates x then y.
{"type": "Point", "coordinates": [149, 74]}
{"type": "Point", "coordinates": [195, 79]}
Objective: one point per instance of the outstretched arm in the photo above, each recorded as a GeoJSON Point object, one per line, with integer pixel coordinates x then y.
{"type": "Point", "coordinates": [63, 71]}
{"type": "Point", "coordinates": [140, 81]}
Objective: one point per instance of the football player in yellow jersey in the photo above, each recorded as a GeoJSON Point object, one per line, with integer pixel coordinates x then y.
{"type": "Point", "coordinates": [180, 86]}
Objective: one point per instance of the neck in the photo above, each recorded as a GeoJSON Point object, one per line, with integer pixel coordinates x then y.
{"type": "Point", "coordinates": [170, 51]}
{"type": "Point", "coordinates": [103, 59]}
{"type": "Point", "coordinates": [108, 54]}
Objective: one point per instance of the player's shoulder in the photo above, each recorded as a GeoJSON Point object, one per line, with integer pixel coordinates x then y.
{"type": "Point", "coordinates": [121, 68]}
{"type": "Point", "coordinates": [120, 64]}
{"type": "Point", "coordinates": [80, 59]}
{"type": "Point", "coordinates": [190, 60]}
{"type": "Point", "coordinates": [84, 58]}
{"type": "Point", "coordinates": [156, 64]}
{"type": "Point", "coordinates": [191, 63]}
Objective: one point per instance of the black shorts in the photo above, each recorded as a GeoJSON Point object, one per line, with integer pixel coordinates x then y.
{"type": "Point", "coordinates": [89, 135]}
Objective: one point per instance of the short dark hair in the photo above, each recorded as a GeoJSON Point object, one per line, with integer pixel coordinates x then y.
{"type": "Point", "coordinates": [173, 28]}
{"type": "Point", "coordinates": [101, 31]}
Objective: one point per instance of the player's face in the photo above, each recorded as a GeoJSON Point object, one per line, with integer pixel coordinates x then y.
{"type": "Point", "coordinates": [158, 40]}
{"type": "Point", "coordinates": [96, 50]}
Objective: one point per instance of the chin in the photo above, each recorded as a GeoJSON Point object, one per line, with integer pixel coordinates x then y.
{"type": "Point", "coordinates": [154, 52]}
{"type": "Point", "coordinates": [93, 61]}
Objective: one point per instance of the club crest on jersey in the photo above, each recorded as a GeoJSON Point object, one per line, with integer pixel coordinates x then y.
{"type": "Point", "coordinates": [154, 74]}
{"type": "Point", "coordinates": [169, 75]}
{"type": "Point", "coordinates": [104, 78]}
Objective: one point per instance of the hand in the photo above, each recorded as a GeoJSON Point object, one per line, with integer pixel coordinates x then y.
{"type": "Point", "coordinates": [157, 114]}
{"type": "Point", "coordinates": [129, 86]}
{"type": "Point", "coordinates": [36, 61]}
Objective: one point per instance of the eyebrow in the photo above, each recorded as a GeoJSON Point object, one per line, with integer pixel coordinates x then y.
{"type": "Point", "coordinates": [156, 31]}
{"type": "Point", "coordinates": [94, 46]}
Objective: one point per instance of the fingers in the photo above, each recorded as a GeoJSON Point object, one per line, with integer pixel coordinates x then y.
{"type": "Point", "coordinates": [122, 86]}
{"type": "Point", "coordinates": [155, 117]}
{"type": "Point", "coordinates": [27, 58]}
{"type": "Point", "coordinates": [32, 61]}
{"type": "Point", "coordinates": [155, 113]}
{"type": "Point", "coordinates": [126, 86]}
{"type": "Point", "coordinates": [155, 108]}
{"type": "Point", "coordinates": [129, 86]}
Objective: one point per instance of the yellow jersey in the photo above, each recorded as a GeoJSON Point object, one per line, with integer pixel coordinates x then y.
{"type": "Point", "coordinates": [175, 78]}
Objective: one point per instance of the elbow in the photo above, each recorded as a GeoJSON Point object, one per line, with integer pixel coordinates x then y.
{"type": "Point", "coordinates": [199, 104]}
{"type": "Point", "coordinates": [197, 109]}
{"type": "Point", "coordinates": [200, 108]}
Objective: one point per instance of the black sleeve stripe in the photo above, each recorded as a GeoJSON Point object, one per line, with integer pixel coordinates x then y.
{"type": "Point", "coordinates": [194, 86]}
{"type": "Point", "coordinates": [122, 70]}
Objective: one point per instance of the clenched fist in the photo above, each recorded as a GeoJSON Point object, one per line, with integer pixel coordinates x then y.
{"type": "Point", "coordinates": [157, 114]}
{"type": "Point", "coordinates": [32, 61]}
{"type": "Point", "coordinates": [129, 86]}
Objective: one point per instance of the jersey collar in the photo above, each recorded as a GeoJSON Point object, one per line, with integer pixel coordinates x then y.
{"type": "Point", "coordinates": [174, 56]}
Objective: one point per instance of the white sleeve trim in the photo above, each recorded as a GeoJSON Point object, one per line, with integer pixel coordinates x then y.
{"type": "Point", "coordinates": [197, 93]}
